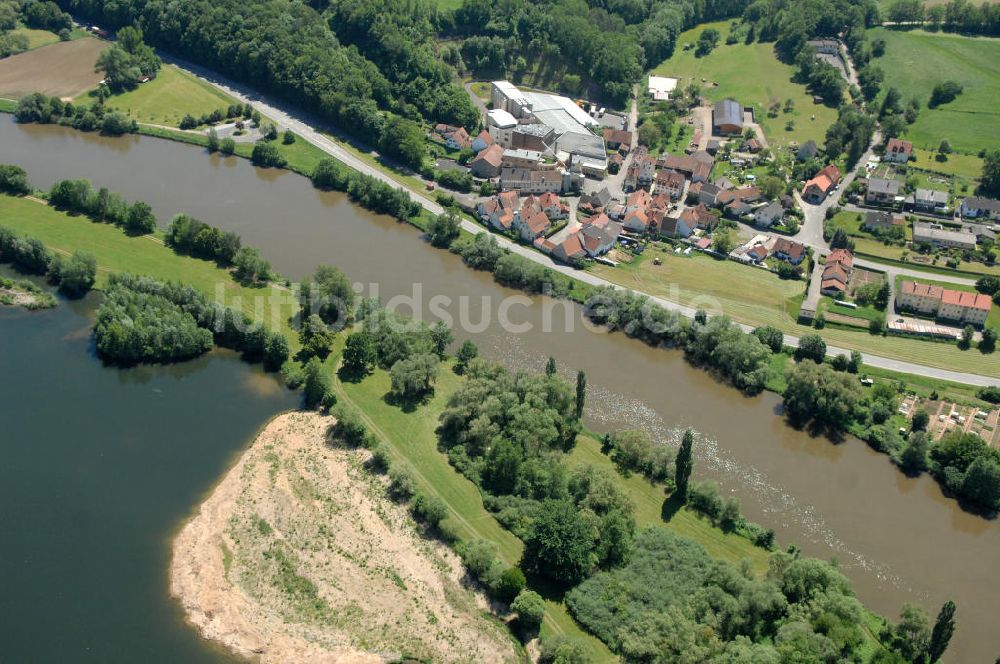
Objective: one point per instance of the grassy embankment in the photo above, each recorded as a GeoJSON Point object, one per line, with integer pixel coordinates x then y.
{"type": "Point", "coordinates": [756, 297]}
{"type": "Point", "coordinates": [168, 98]}
{"type": "Point", "coordinates": [117, 252]}
{"type": "Point", "coordinates": [752, 75]}
{"type": "Point", "coordinates": [915, 61]}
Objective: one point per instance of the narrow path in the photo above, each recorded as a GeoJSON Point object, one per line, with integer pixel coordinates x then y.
{"type": "Point", "coordinates": [308, 126]}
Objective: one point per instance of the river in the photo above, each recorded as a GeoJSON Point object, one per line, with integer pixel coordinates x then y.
{"type": "Point", "coordinates": [898, 539]}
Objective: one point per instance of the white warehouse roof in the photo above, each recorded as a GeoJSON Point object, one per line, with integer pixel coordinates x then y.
{"type": "Point", "coordinates": [501, 118]}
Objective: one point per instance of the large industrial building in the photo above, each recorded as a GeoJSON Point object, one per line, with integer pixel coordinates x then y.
{"type": "Point", "coordinates": [570, 140]}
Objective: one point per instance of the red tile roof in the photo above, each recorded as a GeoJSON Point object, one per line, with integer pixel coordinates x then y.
{"type": "Point", "coordinates": [967, 300]}
{"type": "Point", "coordinates": [922, 290]}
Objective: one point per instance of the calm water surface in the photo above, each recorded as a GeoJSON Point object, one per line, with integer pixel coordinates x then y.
{"type": "Point", "coordinates": [897, 538]}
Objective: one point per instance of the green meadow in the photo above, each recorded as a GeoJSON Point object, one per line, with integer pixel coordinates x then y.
{"type": "Point", "coordinates": [915, 61]}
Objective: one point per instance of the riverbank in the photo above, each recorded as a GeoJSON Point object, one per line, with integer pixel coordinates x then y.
{"type": "Point", "coordinates": [297, 555]}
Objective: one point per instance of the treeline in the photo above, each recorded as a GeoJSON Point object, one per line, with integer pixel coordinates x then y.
{"type": "Point", "coordinates": [143, 320]}
{"type": "Point", "coordinates": [365, 190]}
{"type": "Point", "coordinates": [36, 107]}
{"type": "Point", "coordinates": [102, 205]}
{"type": "Point", "coordinates": [954, 16]}
{"type": "Point", "coordinates": [287, 48]}
{"type": "Point", "coordinates": [34, 14]}
{"type": "Point", "coordinates": [74, 276]}
{"type": "Point", "coordinates": [610, 44]}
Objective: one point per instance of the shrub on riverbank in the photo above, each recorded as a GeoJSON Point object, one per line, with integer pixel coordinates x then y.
{"type": "Point", "coordinates": [672, 600]}
{"type": "Point", "coordinates": [102, 205]}
{"type": "Point", "coordinates": [127, 333]}
{"type": "Point", "coordinates": [364, 190]}
{"type": "Point", "coordinates": [36, 107]}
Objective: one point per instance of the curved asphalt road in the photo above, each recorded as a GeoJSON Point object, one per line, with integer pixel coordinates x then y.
{"type": "Point", "coordinates": [306, 126]}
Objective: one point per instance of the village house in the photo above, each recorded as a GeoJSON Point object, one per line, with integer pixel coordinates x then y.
{"type": "Point", "coordinates": [501, 211]}
{"type": "Point", "coordinates": [699, 216]}
{"type": "Point", "coordinates": [636, 221]}
{"type": "Point", "coordinates": [934, 234]}
{"type": "Point", "coordinates": [482, 141]}
{"type": "Point", "coordinates": [530, 159]}
{"type": "Point", "coordinates": [537, 182]}
{"type": "Point", "coordinates": [455, 138]}
{"type": "Point", "coordinates": [487, 163]}
{"type": "Point", "coordinates": [882, 191]}
{"type": "Point", "coordinates": [641, 171]}
{"type": "Point", "coordinates": [599, 236]}
{"type": "Point", "coordinates": [727, 117]}
{"type": "Point", "coordinates": [880, 220]}
{"type": "Point", "coordinates": [552, 206]}
{"type": "Point", "coordinates": [694, 168]}
{"type": "Point", "coordinates": [820, 186]}
{"type": "Point", "coordinates": [708, 194]}
{"type": "Point", "coordinates": [769, 215]}
{"type": "Point", "coordinates": [617, 138]}
{"type": "Point", "coordinates": [534, 226]}
{"type": "Point", "coordinates": [736, 209]}
{"type": "Point", "coordinates": [595, 202]}
{"type": "Point", "coordinates": [837, 272]}
{"type": "Point", "coordinates": [745, 194]}
{"type": "Point", "coordinates": [674, 227]}
{"type": "Point", "coordinates": [898, 151]}
{"type": "Point", "coordinates": [929, 200]}
{"type": "Point", "coordinates": [981, 208]}
{"type": "Point", "coordinates": [982, 232]}
{"type": "Point", "coordinates": [670, 183]}
{"type": "Point", "coordinates": [756, 254]}
{"type": "Point", "coordinates": [637, 200]}
{"type": "Point", "coordinates": [952, 305]}
{"type": "Point", "coordinates": [570, 250]}
{"type": "Point", "coordinates": [788, 250]}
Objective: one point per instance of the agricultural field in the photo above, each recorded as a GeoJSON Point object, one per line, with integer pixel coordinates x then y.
{"type": "Point", "coordinates": [752, 75]}
{"type": "Point", "coordinates": [915, 61]}
{"type": "Point", "coordinates": [64, 69]}
{"type": "Point", "coordinates": [169, 97]}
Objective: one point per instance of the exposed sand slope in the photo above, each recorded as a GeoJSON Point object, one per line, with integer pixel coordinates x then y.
{"type": "Point", "coordinates": [297, 556]}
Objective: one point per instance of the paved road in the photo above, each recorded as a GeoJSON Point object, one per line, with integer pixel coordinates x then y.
{"type": "Point", "coordinates": [307, 127]}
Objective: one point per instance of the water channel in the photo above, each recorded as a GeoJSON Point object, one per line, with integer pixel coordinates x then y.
{"type": "Point", "coordinates": [899, 539]}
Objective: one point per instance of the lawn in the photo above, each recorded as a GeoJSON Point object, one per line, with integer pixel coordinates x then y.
{"type": "Point", "coordinates": [756, 297]}
{"type": "Point", "coordinates": [751, 74]}
{"type": "Point", "coordinates": [36, 38]}
{"type": "Point", "coordinates": [169, 97]}
{"type": "Point", "coordinates": [966, 166]}
{"type": "Point", "coordinates": [744, 293]}
{"type": "Point", "coordinates": [915, 61]}
{"type": "Point", "coordinates": [117, 252]}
